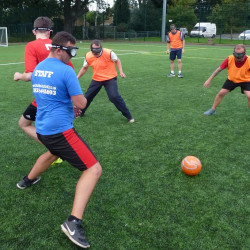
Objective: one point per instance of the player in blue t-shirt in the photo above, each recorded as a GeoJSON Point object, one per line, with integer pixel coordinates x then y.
{"type": "Point", "coordinates": [52, 80]}
{"type": "Point", "coordinates": [56, 90]}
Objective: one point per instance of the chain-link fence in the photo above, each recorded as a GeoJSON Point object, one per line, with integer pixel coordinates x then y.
{"type": "Point", "coordinates": [146, 22]}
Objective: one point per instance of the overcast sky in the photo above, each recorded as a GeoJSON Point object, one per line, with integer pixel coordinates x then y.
{"type": "Point", "coordinates": [93, 6]}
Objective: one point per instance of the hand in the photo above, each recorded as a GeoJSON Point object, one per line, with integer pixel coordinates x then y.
{"type": "Point", "coordinates": [17, 76]}
{"type": "Point", "coordinates": [77, 111]}
{"type": "Point", "coordinates": [207, 83]}
{"type": "Point", "coordinates": [122, 75]}
{"type": "Point", "coordinates": [167, 51]}
{"type": "Point", "coordinates": [183, 50]}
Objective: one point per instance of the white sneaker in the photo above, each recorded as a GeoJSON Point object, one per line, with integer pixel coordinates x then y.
{"type": "Point", "coordinates": [171, 75]}
{"type": "Point", "coordinates": [132, 120]}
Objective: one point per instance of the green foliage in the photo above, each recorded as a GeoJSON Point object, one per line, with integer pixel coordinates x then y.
{"type": "Point", "coordinates": [14, 12]}
{"type": "Point", "coordinates": [182, 16]}
{"type": "Point", "coordinates": [91, 16]}
{"type": "Point", "coordinates": [148, 17]}
{"type": "Point", "coordinates": [227, 16]}
{"type": "Point", "coordinates": [143, 200]}
{"type": "Point", "coordinates": [121, 12]}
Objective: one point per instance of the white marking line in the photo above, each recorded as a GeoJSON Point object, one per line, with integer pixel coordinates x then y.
{"type": "Point", "coordinates": [134, 53]}
{"type": "Point", "coordinates": [6, 64]}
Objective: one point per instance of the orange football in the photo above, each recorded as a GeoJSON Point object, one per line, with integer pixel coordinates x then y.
{"type": "Point", "coordinates": [191, 165]}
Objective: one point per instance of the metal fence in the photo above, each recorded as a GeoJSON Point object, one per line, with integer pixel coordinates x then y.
{"type": "Point", "coordinates": [146, 23]}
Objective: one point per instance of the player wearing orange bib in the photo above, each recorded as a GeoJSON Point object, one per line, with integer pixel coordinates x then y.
{"type": "Point", "coordinates": [103, 63]}
{"type": "Point", "coordinates": [175, 40]}
{"type": "Point", "coordinates": [238, 68]}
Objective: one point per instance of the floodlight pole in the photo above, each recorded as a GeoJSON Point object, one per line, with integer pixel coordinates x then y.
{"type": "Point", "coordinates": [163, 25]}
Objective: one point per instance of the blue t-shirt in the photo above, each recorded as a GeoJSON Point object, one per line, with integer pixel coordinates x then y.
{"type": "Point", "coordinates": [53, 84]}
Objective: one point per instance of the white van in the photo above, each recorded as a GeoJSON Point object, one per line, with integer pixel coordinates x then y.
{"type": "Point", "coordinates": [204, 30]}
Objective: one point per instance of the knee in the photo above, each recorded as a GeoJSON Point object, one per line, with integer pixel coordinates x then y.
{"type": "Point", "coordinates": [114, 98]}
{"type": "Point", "coordinates": [222, 93]}
{"type": "Point", "coordinates": [22, 123]}
{"type": "Point", "coordinates": [97, 170]}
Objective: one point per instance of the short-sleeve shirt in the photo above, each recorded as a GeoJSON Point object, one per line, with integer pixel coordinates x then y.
{"type": "Point", "coordinates": [35, 52]}
{"type": "Point", "coordinates": [224, 64]}
{"type": "Point", "coordinates": [53, 84]}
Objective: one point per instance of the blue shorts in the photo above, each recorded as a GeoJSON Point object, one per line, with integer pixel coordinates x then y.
{"type": "Point", "coordinates": [175, 53]}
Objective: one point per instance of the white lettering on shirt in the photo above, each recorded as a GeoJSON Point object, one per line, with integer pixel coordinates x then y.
{"type": "Point", "coordinates": [41, 73]}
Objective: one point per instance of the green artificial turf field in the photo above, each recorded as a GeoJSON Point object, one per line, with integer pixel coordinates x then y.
{"type": "Point", "coordinates": [143, 200]}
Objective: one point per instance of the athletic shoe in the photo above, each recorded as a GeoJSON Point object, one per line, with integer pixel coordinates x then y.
{"type": "Point", "coordinates": [24, 183]}
{"type": "Point", "coordinates": [73, 229]}
{"type": "Point", "coordinates": [58, 161]}
{"type": "Point", "coordinates": [132, 120]}
{"type": "Point", "coordinates": [180, 75]}
{"type": "Point", "coordinates": [210, 112]}
{"type": "Point", "coordinates": [171, 75]}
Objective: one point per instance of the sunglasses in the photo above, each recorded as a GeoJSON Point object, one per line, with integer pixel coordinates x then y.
{"type": "Point", "coordinates": [70, 50]}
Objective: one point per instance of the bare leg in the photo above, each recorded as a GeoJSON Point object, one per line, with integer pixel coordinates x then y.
{"type": "Point", "coordinates": [42, 164]}
{"type": "Point", "coordinates": [84, 189]}
{"type": "Point", "coordinates": [172, 65]}
{"type": "Point", "coordinates": [247, 93]}
{"type": "Point", "coordinates": [219, 98]}
{"type": "Point", "coordinates": [179, 64]}
{"type": "Point", "coordinates": [28, 128]}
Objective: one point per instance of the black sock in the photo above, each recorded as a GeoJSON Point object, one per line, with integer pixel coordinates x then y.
{"type": "Point", "coordinates": [72, 217]}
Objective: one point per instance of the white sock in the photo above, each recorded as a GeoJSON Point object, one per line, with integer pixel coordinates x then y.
{"type": "Point", "coordinates": [179, 71]}
{"type": "Point", "coordinates": [172, 72]}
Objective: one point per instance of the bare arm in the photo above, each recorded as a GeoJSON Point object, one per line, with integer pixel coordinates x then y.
{"type": "Point", "coordinates": [183, 45]}
{"type": "Point", "coordinates": [168, 46]}
{"type": "Point", "coordinates": [79, 101]}
{"type": "Point", "coordinates": [215, 73]}
{"type": "Point", "coordinates": [119, 66]}
{"type": "Point", "coordinates": [26, 77]}
{"type": "Point", "coordinates": [82, 71]}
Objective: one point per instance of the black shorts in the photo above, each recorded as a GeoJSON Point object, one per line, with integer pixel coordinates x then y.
{"type": "Point", "coordinates": [229, 85]}
{"type": "Point", "coordinates": [30, 112]}
{"type": "Point", "coordinates": [70, 147]}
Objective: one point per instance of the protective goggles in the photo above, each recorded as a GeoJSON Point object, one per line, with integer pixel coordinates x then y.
{"type": "Point", "coordinates": [239, 55]}
{"type": "Point", "coordinates": [42, 28]}
{"type": "Point", "coordinates": [96, 51]}
{"type": "Point", "coordinates": [47, 29]}
{"type": "Point", "coordinates": [70, 50]}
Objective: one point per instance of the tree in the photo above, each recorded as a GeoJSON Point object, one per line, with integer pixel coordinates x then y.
{"type": "Point", "coordinates": [182, 14]}
{"type": "Point", "coordinates": [121, 12]}
{"type": "Point", "coordinates": [72, 9]}
{"type": "Point", "coordinates": [228, 19]}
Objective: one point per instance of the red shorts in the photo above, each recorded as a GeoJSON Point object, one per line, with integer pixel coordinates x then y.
{"type": "Point", "coordinates": [70, 147]}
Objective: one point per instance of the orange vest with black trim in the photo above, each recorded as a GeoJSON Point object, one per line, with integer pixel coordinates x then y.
{"type": "Point", "coordinates": [175, 40]}
{"type": "Point", "coordinates": [238, 75]}
{"type": "Point", "coordinates": [103, 67]}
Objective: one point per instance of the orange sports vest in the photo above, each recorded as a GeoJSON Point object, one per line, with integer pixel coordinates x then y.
{"type": "Point", "coordinates": [238, 75]}
{"type": "Point", "coordinates": [175, 40]}
{"type": "Point", "coordinates": [103, 68]}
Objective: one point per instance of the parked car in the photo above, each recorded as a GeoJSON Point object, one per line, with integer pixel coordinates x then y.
{"type": "Point", "coordinates": [184, 31]}
{"type": "Point", "coordinates": [245, 35]}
